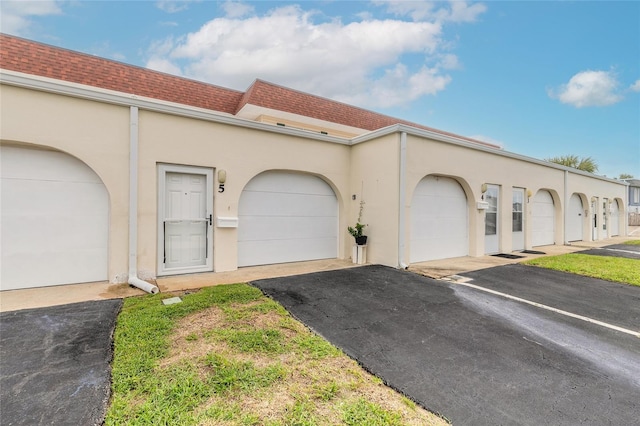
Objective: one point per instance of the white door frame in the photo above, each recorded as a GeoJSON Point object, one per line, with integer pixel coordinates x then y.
{"type": "Point", "coordinates": [517, 237]}
{"type": "Point", "coordinates": [492, 241]}
{"type": "Point", "coordinates": [605, 218]}
{"type": "Point", "coordinates": [163, 169]}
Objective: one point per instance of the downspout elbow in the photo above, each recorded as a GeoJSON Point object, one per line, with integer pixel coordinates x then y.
{"type": "Point", "coordinates": [143, 285]}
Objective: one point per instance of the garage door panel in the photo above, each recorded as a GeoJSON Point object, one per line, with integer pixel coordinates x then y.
{"type": "Point", "coordinates": [282, 251]}
{"type": "Point", "coordinates": [55, 215]}
{"type": "Point", "coordinates": [286, 217]}
{"type": "Point", "coordinates": [284, 227]}
{"type": "Point", "coordinates": [439, 220]}
{"type": "Point", "coordinates": [287, 204]}
{"type": "Point", "coordinates": [289, 182]}
{"type": "Point", "coordinates": [543, 219]}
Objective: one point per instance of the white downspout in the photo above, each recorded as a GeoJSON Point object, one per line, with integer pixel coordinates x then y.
{"type": "Point", "coordinates": [402, 195]}
{"type": "Point", "coordinates": [566, 207]}
{"type": "Point", "coordinates": [133, 206]}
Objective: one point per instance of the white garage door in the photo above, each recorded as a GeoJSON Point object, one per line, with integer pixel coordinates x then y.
{"type": "Point", "coordinates": [543, 219]}
{"type": "Point", "coordinates": [286, 217]}
{"type": "Point", "coordinates": [615, 218]}
{"type": "Point", "coordinates": [575, 219]}
{"type": "Point", "coordinates": [439, 220]}
{"type": "Point", "coordinates": [55, 213]}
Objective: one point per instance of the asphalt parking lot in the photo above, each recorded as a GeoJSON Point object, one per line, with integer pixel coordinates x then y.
{"type": "Point", "coordinates": [478, 358]}
{"type": "Point", "coordinates": [55, 363]}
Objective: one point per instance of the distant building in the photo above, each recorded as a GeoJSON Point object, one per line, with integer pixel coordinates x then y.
{"type": "Point", "coordinates": [634, 201]}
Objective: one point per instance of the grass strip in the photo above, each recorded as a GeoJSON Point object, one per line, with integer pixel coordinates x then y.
{"type": "Point", "coordinates": [633, 242]}
{"type": "Point", "coordinates": [227, 355]}
{"type": "Point", "coordinates": [617, 269]}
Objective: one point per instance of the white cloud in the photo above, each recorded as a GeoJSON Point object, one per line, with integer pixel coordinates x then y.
{"type": "Point", "coordinates": [236, 9]}
{"type": "Point", "coordinates": [635, 87]}
{"type": "Point", "coordinates": [363, 62]}
{"type": "Point", "coordinates": [589, 88]}
{"type": "Point", "coordinates": [173, 6]}
{"type": "Point", "coordinates": [16, 16]}
{"type": "Point", "coordinates": [459, 11]}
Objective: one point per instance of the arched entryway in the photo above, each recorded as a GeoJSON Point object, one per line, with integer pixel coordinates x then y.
{"type": "Point", "coordinates": [543, 219]}
{"type": "Point", "coordinates": [439, 220]}
{"type": "Point", "coordinates": [287, 217]}
{"type": "Point", "coordinates": [55, 219]}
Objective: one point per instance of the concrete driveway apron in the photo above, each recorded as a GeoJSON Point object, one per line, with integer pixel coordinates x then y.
{"type": "Point", "coordinates": [473, 357]}
{"type": "Point", "coordinates": [55, 364]}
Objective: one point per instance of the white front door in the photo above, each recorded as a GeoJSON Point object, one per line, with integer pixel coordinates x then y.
{"type": "Point", "coordinates": [605, 217]}
{"type": "Point", "coordinates": [491, 220]}
{"type": "Point", "coordinates": [594, 209]}
{"type": "Point", "coordinates": [517, 220]}
{"type": "Point", "coordinates": [185, 212]}
{"type": "Point", "coordinates": [575, 220]}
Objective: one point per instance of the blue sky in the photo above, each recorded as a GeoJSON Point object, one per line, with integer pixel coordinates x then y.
{"type": "Point", "coordinates": [540, 78]}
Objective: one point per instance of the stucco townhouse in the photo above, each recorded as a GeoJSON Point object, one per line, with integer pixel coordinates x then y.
{"type": "Point", "coordinates": [117, 173]}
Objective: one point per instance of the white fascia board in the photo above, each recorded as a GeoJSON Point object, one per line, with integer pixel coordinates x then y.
{"type": "Point", "coordinates": [81, 91]}
{"type": "Point", "coordinates": [413, 131]}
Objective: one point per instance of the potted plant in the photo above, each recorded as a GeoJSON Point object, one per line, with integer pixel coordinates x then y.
{"type": "Point", "coordinates": [356, 231]}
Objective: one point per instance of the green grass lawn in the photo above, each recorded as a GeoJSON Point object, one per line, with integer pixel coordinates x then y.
{"type": "Point", "coordinates": [633, 242]}
{"type": "Point", "coordinates": [604, 267]}
{"type": "Point", "coordinates": [227, 355]}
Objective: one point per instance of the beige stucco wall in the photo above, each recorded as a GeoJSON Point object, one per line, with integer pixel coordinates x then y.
{"type": "Point", "coordinates": [97, 133]}
{"type": "Point", "coordinates": [375, 179]}
{"type": "Point", "coordinates": [587, 189]}
{"type": "Point", "coordinates": [472, 167]}
{"type": "Point", "coordinates": [243, 154]}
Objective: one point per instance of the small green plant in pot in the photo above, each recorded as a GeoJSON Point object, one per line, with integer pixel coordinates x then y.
{"type": "Point", "coordinates": [356, 231]}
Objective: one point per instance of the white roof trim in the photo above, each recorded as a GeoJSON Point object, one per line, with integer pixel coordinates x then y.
{"type": "Point", "coordinates": [467, 144]}
{"type": "Point", "coordinates": [50, 85]}
{"type": "Point", "coordinates": [124, 99]}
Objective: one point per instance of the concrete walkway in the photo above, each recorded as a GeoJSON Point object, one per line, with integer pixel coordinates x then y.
{"type": "Point", "coordinates": [447, 267]}
{"type": "Point", "coordinates": [12, 300]}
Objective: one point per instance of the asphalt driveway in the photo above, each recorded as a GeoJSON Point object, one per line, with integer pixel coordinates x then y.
{"type": "Point", "coordinates": [615, 250]}
{"type": "Point", "coordinates": [474, 357]}
{"type": "Point", "coordinates": [55, 364]}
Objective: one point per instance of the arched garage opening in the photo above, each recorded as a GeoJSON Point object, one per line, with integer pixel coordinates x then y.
{"type": "Point", "coordinates": [287, 216]}
{"type": "Point", "coordinates": [615, 217]}
{"type": "Point", "coordinates": [576, 218]}
{"type": "Point", "coordinates": [543, 222]}
{"type": "Point", "coordinates": [55, 219]}
{"type": "Point", "coordinates": [439, 220]}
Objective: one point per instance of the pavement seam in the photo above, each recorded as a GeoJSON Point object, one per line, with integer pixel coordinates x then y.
{"type": "Point", "coordinates": [550, 308]}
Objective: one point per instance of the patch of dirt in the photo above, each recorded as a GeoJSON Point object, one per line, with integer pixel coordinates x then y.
{"type": "Point", "coordinates": [306, 377]}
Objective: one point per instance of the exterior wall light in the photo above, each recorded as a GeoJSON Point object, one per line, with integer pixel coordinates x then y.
{"type": "Point", "coordinates": [222, 178]}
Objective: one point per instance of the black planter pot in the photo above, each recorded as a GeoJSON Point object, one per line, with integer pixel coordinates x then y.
{"type": "Point", "coordinates": [361, 241]}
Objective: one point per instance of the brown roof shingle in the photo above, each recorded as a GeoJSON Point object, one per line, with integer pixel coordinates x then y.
{"type": "Point", "coordinates": [29, 57]}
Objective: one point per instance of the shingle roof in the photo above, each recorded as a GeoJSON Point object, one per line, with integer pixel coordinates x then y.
{"type": "Point", "coordinates": [29, 57]}
{"type": "Point", "coordinates": [17, 54]}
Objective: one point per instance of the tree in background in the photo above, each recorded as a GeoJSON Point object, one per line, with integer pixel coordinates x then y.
{"type": "Point", "coordinates": [586, 164]}
{"type": "Point", "coordinates": [625, 176]}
